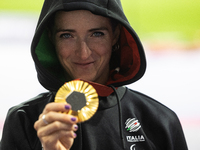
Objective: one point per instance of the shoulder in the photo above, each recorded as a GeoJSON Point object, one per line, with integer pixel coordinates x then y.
{"type": "Point", "coordinates": [148, 106]}
{"type": "Point", "coordinates": [26, 113]}
{"type": "Point", "coordinates": [140, 98]}
{"type": "Point", "coordinates": [19, 122]}
{"type": "Point", "coordinates": [32, 107]}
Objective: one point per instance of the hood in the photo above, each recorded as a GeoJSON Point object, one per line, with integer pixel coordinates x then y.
{"type": "Point", "coordinates": [131, 61]}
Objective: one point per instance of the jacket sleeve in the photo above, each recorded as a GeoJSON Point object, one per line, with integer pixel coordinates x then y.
{"type": "Point", "coordinates": [18, 132]}
{"type": "Point", "coordinates": [179, 138]}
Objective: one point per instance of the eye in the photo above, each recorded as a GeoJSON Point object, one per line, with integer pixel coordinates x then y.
{"type": "Point", "coordinates": [97, 34]}
{"type": "Point", "coordinates": [65, 35]}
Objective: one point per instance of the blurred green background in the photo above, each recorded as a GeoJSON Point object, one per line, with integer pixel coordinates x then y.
{"type": "Point", "coordinates": [177, 16]}
{"type": "Point", "coordinates": [152, 19]}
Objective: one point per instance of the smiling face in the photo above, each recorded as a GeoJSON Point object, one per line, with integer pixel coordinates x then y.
{"type": "Point", "coordinates": [83, 43]}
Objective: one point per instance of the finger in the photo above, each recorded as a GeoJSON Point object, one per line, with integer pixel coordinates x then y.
{"type": "Point", "coordinates": [56, 107]}
{"type": "Point", "coordinates": [52, 117]}
{"type": "Point", "coordinates": [56, 127]}
{"type": "Point", "coordinates": [61, 117]}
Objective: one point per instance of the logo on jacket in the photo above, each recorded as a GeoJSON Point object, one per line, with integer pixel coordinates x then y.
{"type": "Point", "coordinates": [138, 138]}
{"type": "Point", "coordinates": [132, 147]}
{"type": "Point", "coordinates": [132, 125]}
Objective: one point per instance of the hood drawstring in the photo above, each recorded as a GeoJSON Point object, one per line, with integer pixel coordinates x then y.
{"type": "Point", "coordinates": [120, 115]}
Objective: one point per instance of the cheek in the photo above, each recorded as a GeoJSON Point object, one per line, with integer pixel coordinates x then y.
{"type": "Point", "coordinates": [62, 50]}
{"type": "Point", "coordinates": [61, 53]}
{"type": "Point", "coordinates": [103, 47]}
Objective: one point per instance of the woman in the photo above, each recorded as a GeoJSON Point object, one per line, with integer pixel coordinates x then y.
{"type": "Point", "coordinates": [93, 41]}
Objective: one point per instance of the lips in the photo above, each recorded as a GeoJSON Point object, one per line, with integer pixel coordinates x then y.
{"type": "Point", "coordinates": [85, 64]}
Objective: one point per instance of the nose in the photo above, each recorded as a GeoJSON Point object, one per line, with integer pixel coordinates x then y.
{"type": "Point", "coordinates": [83, 50]}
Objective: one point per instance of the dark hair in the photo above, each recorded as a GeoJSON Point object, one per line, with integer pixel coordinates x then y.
{"type": "Point", "coordinates": [114, 23]}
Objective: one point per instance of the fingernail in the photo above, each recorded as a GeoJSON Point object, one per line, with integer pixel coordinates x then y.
{"type": "Point", "coordinates": [75, 135]}
{"type": "Point", "coordinates": [67, 107]}
{"type": "Point", "coordinates": [73, 119]}
{"type": "Point", "coordinates": [75, 127]}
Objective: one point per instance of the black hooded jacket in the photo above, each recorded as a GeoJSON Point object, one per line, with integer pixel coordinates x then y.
{"type": "Point", "coordinates": [137, 122]}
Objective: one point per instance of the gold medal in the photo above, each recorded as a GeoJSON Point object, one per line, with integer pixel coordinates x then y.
{"type": "Point", "coordinates": [81, 96]}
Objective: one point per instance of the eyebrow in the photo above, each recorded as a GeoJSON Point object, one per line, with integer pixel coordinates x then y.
{"type": "Point", "coordinates": [64, 30]}
{"type": "Point", "coordinates": [71, 30]}
{"type": "Point", "coordinates": [101, 28]}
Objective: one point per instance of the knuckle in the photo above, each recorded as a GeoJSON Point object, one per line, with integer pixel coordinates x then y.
{"type": "Point", "coordinates": [39, 133]}
{"type": "Point", "coordinates": [36, 125]}
{"type": "Point", "coordinates": [48, 107]}
{"type": "Point", "coordinates": [50, 117]}
{"type": "Point", "coordinates": [40, 116]}
{"type": "Point", "coordinates": [56, 125]}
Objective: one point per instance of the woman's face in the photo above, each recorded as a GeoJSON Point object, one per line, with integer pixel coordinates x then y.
{"type": "Point", "coordinates": [83, 43]}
